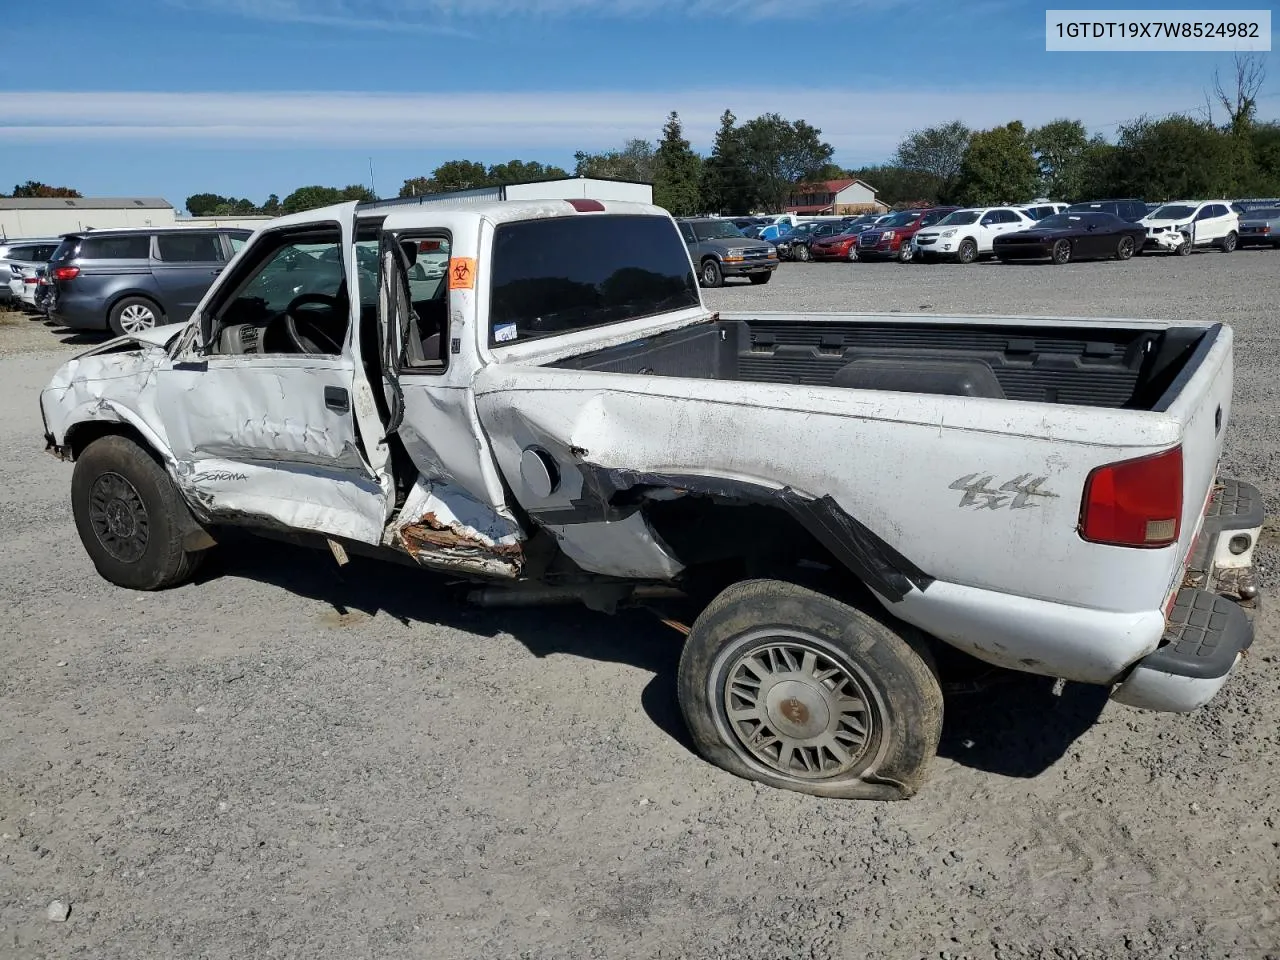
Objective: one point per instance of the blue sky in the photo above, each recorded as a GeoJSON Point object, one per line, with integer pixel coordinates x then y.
{"type": "Point", "coordinates": [250, 97]}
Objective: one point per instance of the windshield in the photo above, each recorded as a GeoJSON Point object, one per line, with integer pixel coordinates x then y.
{"type": "Point", "coordinates": [901, 219]}
{"type": "Point", "coordinates": [715, 230]}
{"type": "Point", "coordinates": [1173, 212]}
{"type": "Point", "coordinates": [1061, 221]}
{"type": "Point", "coordinates": [959, 218]}
{"type": "Point", "coordinates": [550, 276]}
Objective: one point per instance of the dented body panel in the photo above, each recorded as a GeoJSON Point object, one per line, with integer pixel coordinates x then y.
{"type": "Point", "coordinates": [959, 512]}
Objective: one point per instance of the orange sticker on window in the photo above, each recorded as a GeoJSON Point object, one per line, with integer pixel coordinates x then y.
{"type": "Point", "coordinates": [462, 273]}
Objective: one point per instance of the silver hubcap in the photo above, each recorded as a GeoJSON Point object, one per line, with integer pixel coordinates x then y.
{"type": "Point", "coordinates": [137, 317]}
{"type": "Point", "coordinates": [797, 710]}
{"type": "Point", "coordinates": [709, 274]}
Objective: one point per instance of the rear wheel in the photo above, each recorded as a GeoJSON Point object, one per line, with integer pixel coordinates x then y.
{"type": "Point", "coordinates": [1230, 242]}
{"type": "Point", "coordinates": [794, 689]}
{"type": "Point", "coordinates": [134, 315]}
{"type": "Point", "coordinates": [759, 278]}
{"type": "Point", "coordinates": [1125, 248]}
{"type": "Point", "coordinates": [711, 275]}
{"type": "Point", "coordinates": [968, 251]}
{"type": "Point", "coordinates": [1061, 252]}
{"type": "Point", "coordinates": [130, 518]}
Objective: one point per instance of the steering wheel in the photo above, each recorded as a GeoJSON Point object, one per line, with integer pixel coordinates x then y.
{"type": "Point", "coordinates": [314, 340]}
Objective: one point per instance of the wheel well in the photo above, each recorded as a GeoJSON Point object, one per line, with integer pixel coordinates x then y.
{"type": "Point", "coordinates": [722, 541]}
{"type": "Point", "coordinates": [80, 435]}
{"type": "Point", "coordinates": [137, 295]}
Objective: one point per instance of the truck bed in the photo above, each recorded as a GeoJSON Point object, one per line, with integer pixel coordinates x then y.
{"type": "Point", "coordinates": [1100, 365]}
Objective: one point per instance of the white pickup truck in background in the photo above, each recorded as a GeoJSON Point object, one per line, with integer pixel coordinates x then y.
{"type": "Point", "coordinates": [559, 417]}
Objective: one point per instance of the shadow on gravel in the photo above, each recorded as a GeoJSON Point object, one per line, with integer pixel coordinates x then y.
{"type": "Point", "coordinates": [634, 637]}
{"type": "Point", "coordinates": [1016, 726]}
{"type": "Point", "coordinates": [996, 721]}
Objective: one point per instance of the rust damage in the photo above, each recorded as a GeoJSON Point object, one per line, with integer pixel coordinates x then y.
{"type": "Point", "coordinates": [430, 539]}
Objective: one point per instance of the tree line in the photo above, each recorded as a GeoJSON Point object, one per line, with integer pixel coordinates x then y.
{"type": "Point", "coordinates": [1224, 150]}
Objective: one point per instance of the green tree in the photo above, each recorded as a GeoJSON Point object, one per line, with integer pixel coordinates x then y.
{"type": "Point", "coordinates": [308, 198]}
{"type": "Point", "coordinates": [635, 161]}
{"type": "Point", "coordinates": [203, 204]}
{"type": "Point", "coordinates": [459, 175]}
{"type": "Point", "coordinates": [1175, 157]}
{"type": "Point", "coordinates": [520, 171]}
{"type": "Point", "coordinates": [36, 189]}
{"type": "Point", "coordinates": [727, 184]}
{"type": "Point", "coordinates": [1062, 150]}
{"type": "Point", "coordinates": [272, 207]}
{"type": "Point", "coordinates": [936, 152]}
{"type": "Point", "coordinates": [780, 154]}
{"type": "Point", "coordinates": [998, 167]}
{"type": "Point", "coordinates": [677, 171]}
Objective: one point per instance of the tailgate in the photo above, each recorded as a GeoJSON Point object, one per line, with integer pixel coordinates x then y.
{"type": "Point", "coordinates": [1200, 400]}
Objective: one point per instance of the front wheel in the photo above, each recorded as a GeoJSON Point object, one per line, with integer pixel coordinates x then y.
{"type": "Point", "coordinates": [801, 252]}
{"type": "Point", "coordinates": [1185, 247]}
{"type": "Point", "coordinates": [759, 278]}
{"type": "Point", "coordinates": [853, 252]}
{"type": "Point", "coordinates": [1125, 248]}
{"type": "Point", "coordinates": [968, 251]}
{"type": "Point", "coordinates": [1061, 252]}
{"type": "Point", "coordinates": [1230, 242]}
{"type": "Point", "coordinates": [130, 518]}
{"type": "Point", "coordinates": [711, 275]}
{"type": "Point", "coordinates": [797, 690]}
{"type": "Point", "coordinates": [905, 253]}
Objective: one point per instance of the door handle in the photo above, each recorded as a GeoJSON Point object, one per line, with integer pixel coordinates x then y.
{"type": "Point", "coordinates": [216, 272]}
{"type": "Point", "coordinates": [337, 399]}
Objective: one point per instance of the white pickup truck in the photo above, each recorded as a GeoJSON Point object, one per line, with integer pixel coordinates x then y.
{"type": "Point", "coordinates": [552, 413]}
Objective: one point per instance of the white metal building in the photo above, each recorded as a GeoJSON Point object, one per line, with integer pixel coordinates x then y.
{"type": "Point", "coordinates": [567, 188]}
{"type": "Point", "coordinates": [50, 217]}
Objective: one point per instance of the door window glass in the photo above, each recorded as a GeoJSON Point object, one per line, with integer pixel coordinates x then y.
{"type": "Point", "coordinates": [189, 247]}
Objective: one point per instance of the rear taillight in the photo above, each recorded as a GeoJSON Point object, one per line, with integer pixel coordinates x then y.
{"type": "Point", "coordinates": [1135, 503]}
{"type": "Point", "coordinates": [30, 279]}
{"type": "Point", "coordinates": [66, 273]}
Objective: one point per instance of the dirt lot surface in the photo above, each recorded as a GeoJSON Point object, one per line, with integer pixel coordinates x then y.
{"type": "Point", "coordinates": [286, 759]}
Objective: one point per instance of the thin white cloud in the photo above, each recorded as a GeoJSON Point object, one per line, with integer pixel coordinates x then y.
{"type": "Point", "coordinates": [859, 123]}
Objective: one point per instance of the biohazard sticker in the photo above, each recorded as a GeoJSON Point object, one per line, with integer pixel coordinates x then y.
{"type": "Point", "coordinates": [462, 273]}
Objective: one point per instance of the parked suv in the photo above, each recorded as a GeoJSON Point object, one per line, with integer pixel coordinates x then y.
{"type": "Point", "coordinates": [891, 239]}
{"type": "Point", "coordinates": [719, 249]}
{"type": "Point", "coordinates": [1131, 210]}
{"type": "Point", "coordinates": [131, 280]}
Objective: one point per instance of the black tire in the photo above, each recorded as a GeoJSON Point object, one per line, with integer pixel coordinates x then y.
{"type": "Point", "coordinates": [1184, 249]}
{"type": "Point", "coordinates": [1061, 252]}
{"type": "Point", "coordinates": [967, 252]}
{"type": "Point", "coordinates": [761, 278]}
{"type": "Point", "coordinates": [801, 252]}
{"type": "Point", "coordinates": [883, 669]}
{"type": "Point", "coordinates": [1230, 242]}
{"type": "Point", "coordinates": [711, 276]}
{"type": "Point", "coordinates": [1126, 248]}
{"type": "Point", "coordinates": [853, 252]}
{"type": "Point", "coordinates": [905, 253]}
{"type": "Point", "coordinates": [130, 518]}
{"type": "Point", "coordinates": [129, 316]}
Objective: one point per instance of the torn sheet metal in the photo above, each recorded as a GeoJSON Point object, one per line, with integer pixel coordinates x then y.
{"type": "Point", "coordinates": [440, 526]}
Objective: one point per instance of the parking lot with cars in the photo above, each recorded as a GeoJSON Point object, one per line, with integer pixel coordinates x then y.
{"type": "Point", "coordinates": [287, 750]}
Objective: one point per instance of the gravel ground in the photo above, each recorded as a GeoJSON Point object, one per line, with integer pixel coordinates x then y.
{"type": "Point", "coordinates": [288, 760]}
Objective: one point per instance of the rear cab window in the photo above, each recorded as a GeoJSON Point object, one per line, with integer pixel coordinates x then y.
{"type": "Point", "coordinates": [552, 276]}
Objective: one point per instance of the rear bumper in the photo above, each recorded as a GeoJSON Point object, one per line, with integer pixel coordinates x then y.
{"type": "Point", "coordinates": [1210, 623]}
{"type": "Point", "coordinates": [78, 313]}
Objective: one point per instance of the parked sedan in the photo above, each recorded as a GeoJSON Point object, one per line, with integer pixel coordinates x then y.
{"type": "Point", "coordinates": [796, 244]}
{"type": "Point", "coordinates": [15, 254]}
{"type": "Point", "coordinates": [1260, 227]}
{"type": "Point", "coordinates": [1072, 236]}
